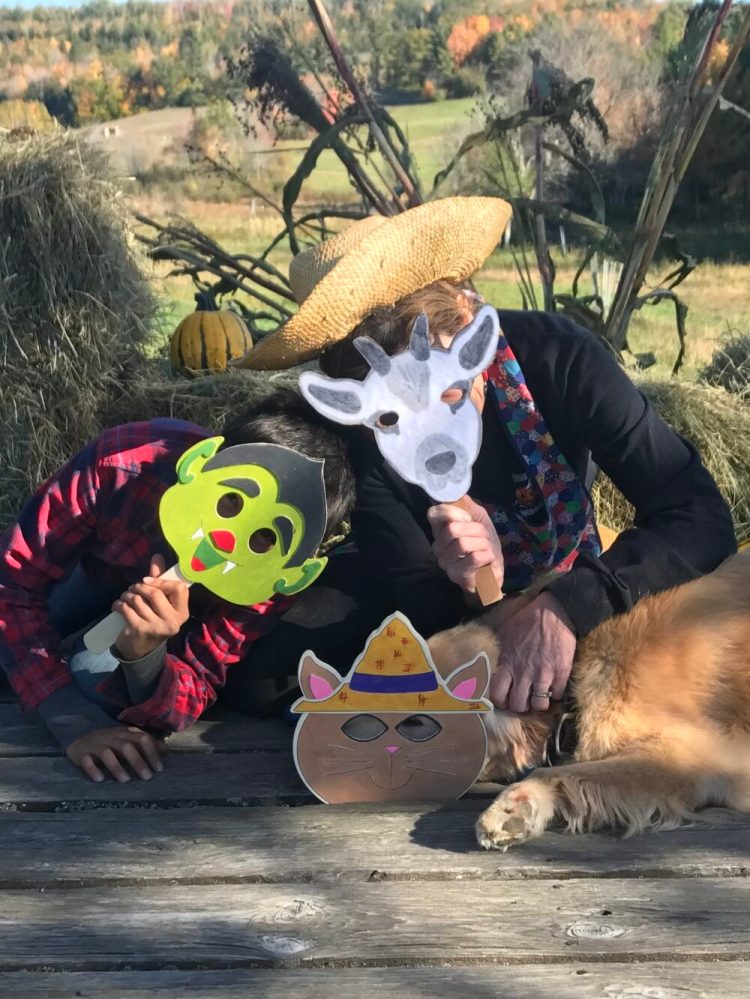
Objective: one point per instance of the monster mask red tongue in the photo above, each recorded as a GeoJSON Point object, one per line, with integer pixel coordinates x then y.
{"type": "Point", "coordinates": [205, 557]}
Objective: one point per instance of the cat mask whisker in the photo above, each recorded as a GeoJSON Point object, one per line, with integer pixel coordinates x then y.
{"type": "Point", "coordinates": [429, 770]}
{"type": "Point", "coordinates": [349, 770]}
{"type": "Point", "coordinates": [347, 749]}
{"type": "Point", "coordinates": [435, 749]}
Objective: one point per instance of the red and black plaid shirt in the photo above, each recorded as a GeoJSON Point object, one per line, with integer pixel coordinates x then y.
{"type": "Point", "coordinates": [101, 511]}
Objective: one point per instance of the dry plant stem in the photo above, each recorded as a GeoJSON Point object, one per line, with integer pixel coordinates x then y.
{"type": "Point", "coordinates": [208, 246]}
{"type": "Point", "coordinates": [540, 243]}
{"type": "Point", "coordinates": [302, 54]}
{"type": "Point", "coordinates": [685, 128]}
{"type": "Point", "coordinates": [320, 14]}
{"type": "Point", "coordinates": [199, 255]}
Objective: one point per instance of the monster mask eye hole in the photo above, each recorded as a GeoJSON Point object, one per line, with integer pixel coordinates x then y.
{"type": "Point", "coordinates": [387, 420]}
{"type": "Point", "coordinates": [229, 505]}
{"type": "Point", "coordinates": [419, 728]}
{"type": "Point", "coordinates": [364, 728]}
{"type": "Point", "coordinates": [262, 540]}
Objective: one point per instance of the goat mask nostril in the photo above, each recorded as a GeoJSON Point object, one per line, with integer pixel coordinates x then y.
{"type": "Point", "coordinates": [391, 749]}
{"type": "Point", "coordinates": [441, 463]}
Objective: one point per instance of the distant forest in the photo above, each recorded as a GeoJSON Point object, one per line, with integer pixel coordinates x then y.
{"type": "Point", "coordinates": [104, 61]}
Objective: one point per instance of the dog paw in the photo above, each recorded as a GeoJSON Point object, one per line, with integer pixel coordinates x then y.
{"type": "Point", "coordinates": [518, 814]}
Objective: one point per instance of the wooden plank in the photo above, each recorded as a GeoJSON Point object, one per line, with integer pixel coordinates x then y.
{"type": "Point", "coordinates": [353, 924]}
{"type": "Point", "coordinates": [220, 730]}
{"type": "Point", "coordinates": [345, 843]}
{"type": "Point", "coordinates": [689, 980]}
{"type": "Point", "coordinates": [49, 784]}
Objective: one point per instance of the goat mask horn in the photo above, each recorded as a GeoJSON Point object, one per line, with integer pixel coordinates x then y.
{"type": "Point", "coordinates": [419, 344]}
{"type": "Point", "coordinates": [374, 354]}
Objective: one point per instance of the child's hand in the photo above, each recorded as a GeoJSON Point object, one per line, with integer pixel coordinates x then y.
{"type": "Point", "coordinates": [154, 610]}
{"type": "Point", "coordinates": [111, 748]}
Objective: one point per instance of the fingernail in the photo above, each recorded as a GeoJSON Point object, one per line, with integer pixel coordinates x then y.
{"type": "Point", "coordinates": [146, 775]}
{"type": "Point", "coordinates": [99, 778]}
{"type": "Point", "coordinates": [159, 767]}
{"type": "Point", "coordinates": [124, 779]}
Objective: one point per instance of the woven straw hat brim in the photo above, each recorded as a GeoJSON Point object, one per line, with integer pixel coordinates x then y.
{"type": "Point", "coordinates": [433, 702]}
{"type": "Point", "coordinates": [443, 240]}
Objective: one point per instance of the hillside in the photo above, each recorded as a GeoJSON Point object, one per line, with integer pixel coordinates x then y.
{"type": "Point", "coordinates": [104, 61]}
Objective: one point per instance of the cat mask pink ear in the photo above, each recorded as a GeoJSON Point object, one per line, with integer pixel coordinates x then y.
{"type": "Point", "coordinates": [318, 681]}
{"type": "Point", "coordinates": [470, 682]}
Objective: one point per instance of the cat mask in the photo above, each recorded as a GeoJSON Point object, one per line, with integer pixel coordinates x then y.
{"type": "Point", "coordinates": [393, 729]}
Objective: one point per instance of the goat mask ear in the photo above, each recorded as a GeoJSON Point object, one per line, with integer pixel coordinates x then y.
{"type": "Point", "coordinates": [476, 345]}
{"type": "Point", "coordinates": [338, 399]}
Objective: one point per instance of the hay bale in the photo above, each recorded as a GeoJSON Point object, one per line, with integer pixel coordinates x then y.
{"type": "Point", "coordinates": [729, 368]}
{"type": "Point", "coordinates": [206, 399]}
{"type": "Point", "coordinates": [74, 305]}
{"type": "Point", "coordinates": [718, 424]}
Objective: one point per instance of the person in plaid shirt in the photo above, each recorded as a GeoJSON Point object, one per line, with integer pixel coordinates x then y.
{"type": "Point", "coordinates": [90, 535]}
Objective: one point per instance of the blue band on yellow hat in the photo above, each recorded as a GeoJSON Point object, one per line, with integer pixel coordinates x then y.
{"type": "Point", "coordinates": [374, 683]}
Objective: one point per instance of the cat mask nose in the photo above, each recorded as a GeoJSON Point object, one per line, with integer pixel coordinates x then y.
{"type": "Point", "coordinates": [392, 749]}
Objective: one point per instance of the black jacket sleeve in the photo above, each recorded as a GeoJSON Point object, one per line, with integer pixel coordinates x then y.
{"type": "Point", "coordinates": [683, 527]}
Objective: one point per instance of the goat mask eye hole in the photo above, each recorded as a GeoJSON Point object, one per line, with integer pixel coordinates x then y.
{"type": "Point", "coordinates": [455, 395]}
{"type": "Point", "coordinates": [386, 421]}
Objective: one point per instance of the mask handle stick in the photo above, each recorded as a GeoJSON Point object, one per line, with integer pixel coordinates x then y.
{"type": "Point", "coordinates": [487, 586]}
{"type": "Point", "coordinates": [107, 631]}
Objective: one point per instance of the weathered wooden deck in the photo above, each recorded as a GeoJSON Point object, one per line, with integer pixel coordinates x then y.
{"type": "Point", "coordinates": [206, 882]}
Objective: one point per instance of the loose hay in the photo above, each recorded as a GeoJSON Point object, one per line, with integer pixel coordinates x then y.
{"type": "Point", "coordinates": [205, 400]}
{"type": "Point", "coordinates": [74, 306]}
{"type": "Point", "coordinates": [718, 424]}
{"type": "Point", "coordinates": [729, 368]}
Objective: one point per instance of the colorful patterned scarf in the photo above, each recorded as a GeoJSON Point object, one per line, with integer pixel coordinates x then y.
{"type": "Point", "coordinates": [551, 520]}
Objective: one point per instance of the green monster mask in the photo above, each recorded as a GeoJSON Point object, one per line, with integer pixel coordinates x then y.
{"type": "Point", "coordinates": [244, 522]}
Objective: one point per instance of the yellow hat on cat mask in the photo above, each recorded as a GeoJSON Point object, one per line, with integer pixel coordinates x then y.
{"type": "Point", "coordinates": [394, 673]}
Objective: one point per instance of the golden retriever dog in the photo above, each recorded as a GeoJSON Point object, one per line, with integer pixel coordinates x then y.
{"type": "Point", "coordinates": [662, 704]}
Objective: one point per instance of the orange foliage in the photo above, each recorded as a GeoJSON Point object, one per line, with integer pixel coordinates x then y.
{"type": "Point", "coordinates": [718, 58]}
{"type": "Point", "coordinates": [479, 23]}
{"type": "Point", "coordinates": [461, 42]}
{"type": "Point", "coordinates": [628, 25]}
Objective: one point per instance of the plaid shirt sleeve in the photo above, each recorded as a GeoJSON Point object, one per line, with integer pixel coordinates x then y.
{"type": "Point", "coordinates": [196, 664]}
{"type": "Point", "coordinates": [37, 552]}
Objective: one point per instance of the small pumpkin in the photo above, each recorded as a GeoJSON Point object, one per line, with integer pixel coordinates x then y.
{"type": "Point", "coordinates": [208, 338]}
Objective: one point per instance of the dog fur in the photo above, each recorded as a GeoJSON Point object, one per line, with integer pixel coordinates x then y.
{"type": "Point", "coordinates": [662, 697]}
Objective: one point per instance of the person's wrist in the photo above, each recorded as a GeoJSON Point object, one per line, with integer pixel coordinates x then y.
{"type": "Point", "coordinates": [131, 648]}
{"type": "Point", "coordinates": [551, 603]}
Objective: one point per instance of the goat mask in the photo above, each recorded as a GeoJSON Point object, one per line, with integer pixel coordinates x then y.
{"type": "Point", "coordinates": [427, 441]}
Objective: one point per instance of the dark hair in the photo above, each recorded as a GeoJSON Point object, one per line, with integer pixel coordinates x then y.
{"type": "Point", "coordinates": [390, 326]}
{"type": "Point", "coordinates": [285, 418]}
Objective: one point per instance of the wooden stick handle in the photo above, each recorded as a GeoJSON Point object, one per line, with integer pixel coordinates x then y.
{"type": "Point", "coordinates": [487, 586]}
{"type": "Point", "coordinates": [107, 631]}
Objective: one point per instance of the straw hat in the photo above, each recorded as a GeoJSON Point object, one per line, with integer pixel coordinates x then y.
{"type": "Point", "coordinates": [393, 673]}
{"type": "Point", "coordinates": [376, 262]}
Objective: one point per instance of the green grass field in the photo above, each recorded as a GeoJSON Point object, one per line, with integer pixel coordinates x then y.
{"type": "Point", "coordinates": [717, 294]}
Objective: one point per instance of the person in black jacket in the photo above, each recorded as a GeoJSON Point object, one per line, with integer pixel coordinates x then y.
{"type": "Point", "coordinates": [556, 406]}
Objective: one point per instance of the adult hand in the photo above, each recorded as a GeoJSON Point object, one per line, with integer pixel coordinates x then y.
{"type": "Point", "coordinates": [465, 540]}
{"type": "Point", "coordinates": [537, 646]}
{"type": "Point", "coordinates": [110, 749]}
{"type": "Point", "coordinates": [154, 610]}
